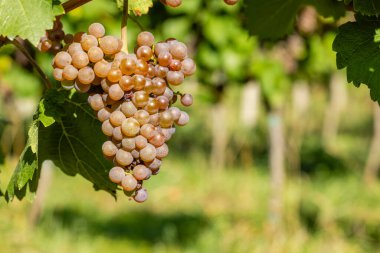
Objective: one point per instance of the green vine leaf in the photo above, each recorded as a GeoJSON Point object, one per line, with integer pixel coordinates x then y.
{"type": "Point", "coordinates": [26, 175]}
{"type": "Point", "coordinates": [366, 7]}
{"type": "Point", "coordinates": [138, 7]}
{"type": "Point", "coordinates": [74, 143]}
{"type": "Point", "coordinates": [273, 19]}
{"type": "Point", "coordinates": [26, 18]}
{"type": "Point", "coordinates": [358, 50]}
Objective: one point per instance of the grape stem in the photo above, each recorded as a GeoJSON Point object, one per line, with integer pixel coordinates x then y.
{"type": "Point", "coordinates": [17, 42]}
{"type": "Point", "coordinates": [73, 4]}
{"type": "Point", "coordinates": [124, 31]}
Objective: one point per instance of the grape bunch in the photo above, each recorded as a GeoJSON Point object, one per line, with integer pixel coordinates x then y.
{"type": "Point", "coordinates": [132, 96]}
{"type": "Point", "coordinates": [52, 42]}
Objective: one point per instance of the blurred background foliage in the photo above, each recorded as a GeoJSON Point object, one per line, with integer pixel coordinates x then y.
{"type": "Point", "coordinates": [253, 101]}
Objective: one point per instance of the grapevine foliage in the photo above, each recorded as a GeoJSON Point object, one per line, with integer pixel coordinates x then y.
{"type": "Point", "coordinates": [273, 19]}
{"type": "Point", "coordinates": [357, 46]}
{"type": "Point", "coordinates": [138, 7]}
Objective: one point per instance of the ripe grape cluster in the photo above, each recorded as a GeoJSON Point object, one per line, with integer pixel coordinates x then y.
{"type": "Point", "coordinates": [52, 42]}
{"type": "Point", "coordinates": [132, 96]}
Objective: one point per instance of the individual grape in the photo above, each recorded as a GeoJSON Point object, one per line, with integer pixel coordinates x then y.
{"type": "Point", "coordinates": [116, 175]}
{"type": "Point", "coordinates": [183, 119]}
{"type": "Point", "coordinates": [105, 84]}
{"type": "Point", "coordinates": [168, 93]}
{"type": "Point", "coordinates": [148, 153]}
{"type": "Point", "coordinates": [117, 118]}
{"type": "Point", "coordinates": [162, 151]}
{"type": "Point", "coordinates": [154, 165]}
{"type": "Point", "coordinates": [56, 46]}
{"type": "Point", "coordinates": [45, 45]}
{"type": "Point", "coordinates": [142, 117]}
{"type": "Point", "coordinates": [145, 39]}
{"type": "Point", "coordinates": [164, 58]}
{"type": "Point", "coordinates": [167, 132]}
{"type": "Point", "coordinates": [141, 195]}
{"type": "Point", "coordinates": [81, 87]}
{"type": "Point", "coordinates": [128, 108]}
{"type": "Point", "coordinates": [130, 127]}
{"type": "Point", "coordinates": [126, 83]}
{"type": "Point", "coordinates": [120, 56]}
{"type": "Point", "coordinates": [147, 130]}
{"type": "Point", "coordinates": [188, 67]}
{"type": "Point", "coordinates": [67, 85]}
{"type": "Point", "coordinates": [107, 128]}
{"type": "Point", "coordinates": [139, 82]}
{"type": "Point", "coordinates": [80, 59]}
{"type": "Point", "coordinates": [151, 71]}
{"type": "Point", "coordinates": [109, 44]}
{"type": "Point", "coordinates": [166, 119]}
{"type": "Point", "coordinates": [88, 41]}
{"type": "Point", "coordinates": [128, 144]}
{"type": "Point", "coordinates": [159, 86]}
{"type": "Point", "coordinates": [161, 47]}
{"type": "Point", "coordinates": [128, 65]}
{"type": "Point", "coordinates": [140, 98]}
{"type": "Point", "coordinates": [97, 30]}
{"type": "Point", "coordinates": [152, 106]}
{"type": "Point", "coordinates": [109, 148]}
{"type": "Point", "coordinates": [62, 59]}
{"type": "Point", "coordinates": [175, 77]}
{"type": "Point", "coordinates": [96, 102]}
{"type": "Point", "coordinates": [74, 47]}
{"type": "Point", "coordinates": [140, 141]}
{"type": "Point", "coordinates": [95, 54]}
{"type": "Point", "coordinates": [58, 74]}
{"type": "Point", "coordinates": [187, 100]}
{"type": "Point", "coordinates": [117, 134]}
{"type": "Point", "coordinates": [86, 75]}
{"type": "Point", "coordinates": [70, 72]}
{"type": "Point", "coordinates": [141, 67]}
{"type": "Point", "coordinates": [176, 113]}
{"type": "Point", "coordinates": [140, 172]}
{"type": "Point", "coordinates": [154, 119]}
{"type": "Point", "coordinates": [68, 39]}
{"type": "Point", "coordinates": [115, 92]}
{"type": "Point", "coordinates": [175, 65]}
{"type": "Point", "coordinates": [149, 88]}
{"type": "Point", "coordinates": [231, 2]}
{"type": "Point", "coordinates": [144, 53]}
{"type": "Point", "coordinates": [123, 157]}
{"type": "Point", "coordinates": [129, 183]}
{"type": "Point", "coordinates": [162, 102]}
{"type": "Point", "coordinates": [157, 139]}
{"type": "Point", "coordinates": [172, 3]}
{"type": "Point", "coordinates": [135, 154]}
{"type": "Point", "coordinates": [103, 114]}
{"type": "Point", "coordinates": [101, 68]}
{"type": "Point", "coordinates": [178, 50]}
{"type": "Point", "coordinates": [114, 75]}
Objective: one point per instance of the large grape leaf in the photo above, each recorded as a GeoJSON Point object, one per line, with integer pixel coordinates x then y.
{"type": "Point", "coordinates": [366, 7]}
{"type": "Point", "coordinates": [73, 142]}
{"type": "Point", "coordinates": [26, 18]}
{"type": "Point", "coordinates": [358, 49]}
{"type": "Point", "coordinates": [273, 19]}
{"type": "Point", "coordinates": [26, 175]}
{"type": "Point", "coordinates": [138, 7]}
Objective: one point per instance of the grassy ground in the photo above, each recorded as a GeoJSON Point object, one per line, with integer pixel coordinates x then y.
{"type": "Point", "coordinates": [194, 209]}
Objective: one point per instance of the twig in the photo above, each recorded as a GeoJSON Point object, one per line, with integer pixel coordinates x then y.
{"type": "Point", "coordinates": [136, 22]}
{"type": "Point", "coordinates": [124, 31]}
{"type": "Point", "coordinates": [16, 42]}
{"type": "Point", "coordinates": [73, 4]}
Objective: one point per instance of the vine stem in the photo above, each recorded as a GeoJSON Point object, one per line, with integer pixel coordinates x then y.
{"type": "Point", "coordinates": [73, 4]}
{"type": "Point", "coordinates": [124, 31]}
{"type": "Point", "coordinates": [16, 42]}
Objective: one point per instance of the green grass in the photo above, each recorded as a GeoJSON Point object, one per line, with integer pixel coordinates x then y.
{"type": "Point", "coordinates": [195, 209]}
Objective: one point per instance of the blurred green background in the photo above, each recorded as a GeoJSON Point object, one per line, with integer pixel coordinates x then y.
{"type": "Point", "coordinates": [280, 155]}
